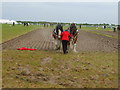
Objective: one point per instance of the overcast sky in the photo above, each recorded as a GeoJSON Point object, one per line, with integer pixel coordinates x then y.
{"type": "Point", "coordinates": [60, 0]}
{"type": "Point", "coordinates": [80, 12]}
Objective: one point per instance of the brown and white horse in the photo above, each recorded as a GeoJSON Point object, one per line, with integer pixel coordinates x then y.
{"type": "Point", "coordinates": [73, 41]}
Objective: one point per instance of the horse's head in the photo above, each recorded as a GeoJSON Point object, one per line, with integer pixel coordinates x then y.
{"type": "Point", "coordinates": [59, 34]}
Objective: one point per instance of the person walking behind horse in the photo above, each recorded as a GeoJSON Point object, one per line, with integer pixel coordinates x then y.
{"type": "Point", "coordinates": [66, 36]}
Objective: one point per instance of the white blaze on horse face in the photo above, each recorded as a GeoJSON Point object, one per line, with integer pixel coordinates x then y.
{"type": "Point", "coordinates": [59, 33]}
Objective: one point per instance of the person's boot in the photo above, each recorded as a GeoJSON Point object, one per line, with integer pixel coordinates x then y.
{"type": "Point", "coordinates": [66, 51]}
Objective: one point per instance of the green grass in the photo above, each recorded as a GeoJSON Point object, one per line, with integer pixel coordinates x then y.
{"type": "Point", "coordinates": [96, 28]}
{"type": "Point", "coordinates": [48, 69]}
{"type": "Point", "coordinates": [0, 33]}
{"type": "Point", "coordinates": [90, 28]}
{"type": "Point", "coordinates": [10, 32]}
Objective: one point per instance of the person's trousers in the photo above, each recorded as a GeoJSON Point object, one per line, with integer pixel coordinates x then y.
{"type": "Point", "coordinates": [64, 45]}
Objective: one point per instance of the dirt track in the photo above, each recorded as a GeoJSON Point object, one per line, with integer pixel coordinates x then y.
{"type": "Point", "coordinates": [41, 39]}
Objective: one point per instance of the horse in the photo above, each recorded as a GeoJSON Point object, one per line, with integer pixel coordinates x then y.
{"type": "Point", "coordinates": [57, 39]}
{"type": "Point", "coordinates": [73, 41]}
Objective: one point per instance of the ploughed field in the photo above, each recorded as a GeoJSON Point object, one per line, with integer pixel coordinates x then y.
{"type": "Point", "coordinates": [87, 41]}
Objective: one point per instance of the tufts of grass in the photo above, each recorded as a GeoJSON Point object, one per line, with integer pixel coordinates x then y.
{"type": "Point", "coordinates": [50, 69]}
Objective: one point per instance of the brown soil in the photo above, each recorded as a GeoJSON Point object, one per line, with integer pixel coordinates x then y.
{"type": "Point", "coordinates": [42, 39]}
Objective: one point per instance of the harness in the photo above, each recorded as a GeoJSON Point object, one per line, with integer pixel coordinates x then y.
{"type": "Point", "coordinates": [74, 32]}
{"type": "Point", "coordinates": [73, 29]}
{"type": "Point", "coordinates": [75, 36]}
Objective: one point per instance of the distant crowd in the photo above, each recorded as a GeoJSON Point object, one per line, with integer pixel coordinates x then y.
{"type": "Point", "coordinates": [115, 28]}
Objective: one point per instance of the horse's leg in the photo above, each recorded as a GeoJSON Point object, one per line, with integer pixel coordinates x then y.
{"type": "Point", "coordinates": [71, 44]}
{"type": "Point", "coordinates": [59, 43]}
{"type": "Point", "coordinates": [68, 46]}
{"type": "Point", "coordinates": [74, 47]}
{"type": "Point", "coordinates": [76, 38]}
{"type": "Point", "coordinates": [55, 43]}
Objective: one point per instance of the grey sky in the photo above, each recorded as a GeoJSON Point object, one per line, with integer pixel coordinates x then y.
{"type": "Point", "coordinates": [80, 12]}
